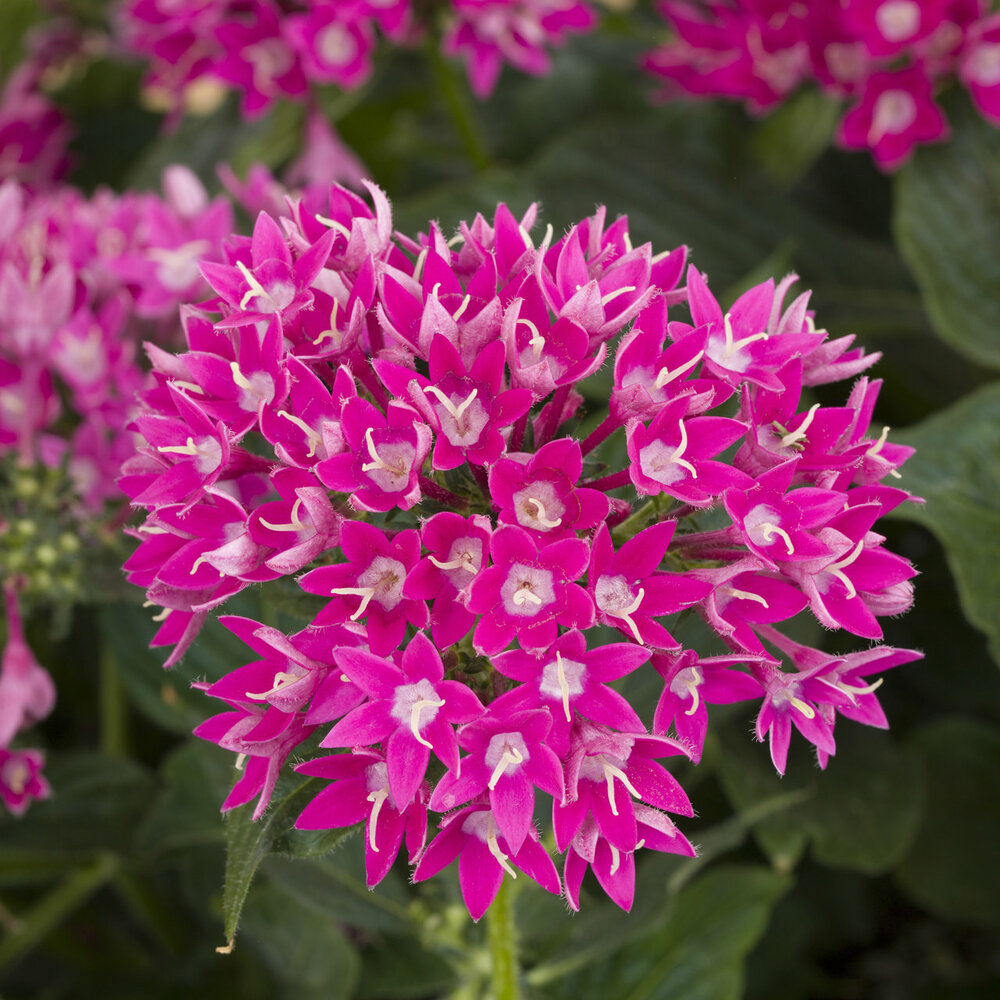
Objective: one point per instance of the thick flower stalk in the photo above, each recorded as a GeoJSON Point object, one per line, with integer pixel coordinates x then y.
{"type": "Point", "coordinates": [395, 423]}
{"type": "Point", "coordinates": [886, 57]}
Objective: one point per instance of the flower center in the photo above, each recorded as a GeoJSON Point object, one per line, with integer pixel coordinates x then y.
{"type": "Point", "coordinates": [898, 20]}
{"type": "Point", "coordinates": [563, 679]}
{"type": "Point", "coordinates": [416, 705]}
{"type": "Point", "coordinates": [527, 590]}
{"type": "Point", "coordinates": [505, 754]}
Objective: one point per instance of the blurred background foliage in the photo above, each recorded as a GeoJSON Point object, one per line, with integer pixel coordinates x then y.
{"type": "Point", "coordinates": [879, 878]}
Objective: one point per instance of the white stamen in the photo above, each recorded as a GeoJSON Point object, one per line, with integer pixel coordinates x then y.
{"type": "Point", "coordinates": [281, 679]}
{"type": "Point", "coordinates": [456, 239]}
{"type": "Point", "coordinates": [241, 759]}
{"type": "Point", "coordinates": [457, 315]}
{"type": "Point", "coordinates": [365, 593]}
{"type": "Point", "coordinates": [769, 530]}
{"type": "Point", "coordinates": [610, 773]}
{"type": "Point", "coordinates": [627, 242]}
{"type": "Point", "coordinates": [238, 377]}
{"type": "Point", "coordinates": [332, 333]}
{"type": "Point", "coordinates": [625, 614]}
{"type": "Point", "coordinates": [877, 446]}
{"type": "Point", "coordinates": [418, 707]}
{"type": "Point", "coordinates": [462, 562]}
{"type": "Point", "coordinates": [852, 692]}
{"type": "Point", "coordinates": [376, 462]}
{"type": "Point", "coordinates": [616, 857]}
{"type": "Point", "coordinates": [494, 849]}
{"type": "Point", "coordinates": [745, 595]}
{"type": "Point", "coordinates": [180, 449]}
{"type": "Point", "coordinates": [314, 439]}
{"type": "Point", "coordinates": [537, 341]}
{"type": "Point", "coordinates": [377, 798]}
{"type": "Point", "coordinates": [524, 595]}
{"type": "Point", "coordinates": [511, 755]}
{"type": "Point", "coordinates": [563, 686]}
{"type": "Point", "coordinates": [807, 710]}
{"type": "Point", "coordinates": [676, 459]}
{"type": "Point", "coordinates": [794, 437]}
{"type": "Point", "coordinates": [189, 386]}
{"type": "Point", "coordinates": [455, 411]}
{"type": "Point", "coordinates": [162, 616]}
{"type": "Point", "coordinates": [294, 525]}
{"type": "Point", "coordinates": [256, 288]}
{"type": "Point", "coordinates": [419, 265]}
{"type": "Point", "coordinates": [692, 683]}
{"type": "Point", "coordinates": [540, 515]}
{"type": "Point", "coordinates": [735, 345]}
{"type": "Point", "coordinates": [837, 568]}
{"type": "Point", "coordinates": [334, 224]}
{"type": "Point", "coordinates": [605, 299]}
{"type": "Point", "coordinates": [666, 375]}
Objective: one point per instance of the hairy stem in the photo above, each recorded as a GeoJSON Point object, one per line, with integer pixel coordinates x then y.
{"type": "Point", "coordinates": [502, 934]}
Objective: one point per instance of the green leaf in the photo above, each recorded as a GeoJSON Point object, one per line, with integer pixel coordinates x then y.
{"type": "Point", "coordinates": [197, 777]}
{"type": "Point", "coordinates": [957, 470]}
{"type": "Point", "coordinates": [947, 223]}
{"type": "Point", "coordinates": [308, 955]}
{"type": "Point", "coordinates": [953, 868]}
{"type": "Point", "coordinates": [790, 140]}
{"type": "Point", "coordinates": [861, 813]}
{"type": "Point", "coordinates": [95, 805]}
{"type": "Point", "coordinates": [249, 842]}
{"type": "Point", "coordinates": [696, 953]}
{"type": "Point", "coordinates": [400, 968]}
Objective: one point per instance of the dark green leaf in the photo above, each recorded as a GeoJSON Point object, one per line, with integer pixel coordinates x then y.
{"type": "Point", "coordinates": [696, 954]}
{"type": "Point", "coordinates": [790, 140]}
{"type": "Point", "coordinates": [399, 968]}
{"type": "Point", "coordinates": [861, 813]}
{"type": "Point", "coordinates": [957, 470]}
{"type": "Point", "coordinates": [947, 223]}
{"type": "Point", "coordinates": [308, 955]}
{"type": "Point", "coordinates": [249, 842]}
{"type": "Point", "coordinates": [953, 868]}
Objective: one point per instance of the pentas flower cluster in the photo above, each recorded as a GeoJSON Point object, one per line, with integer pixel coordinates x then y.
{"type": "Point", "coordinates": [394, 423]}
{"type": "Point", "coordinates": [887, 57]}
{"type": "Point", "coordinates": [27, 694]}
{"type": "Point", "coordinates": [269, 49]}
{"type": "Point", "coordinates": [82, 281]}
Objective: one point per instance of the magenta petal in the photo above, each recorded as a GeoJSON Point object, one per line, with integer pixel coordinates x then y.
{"type": "Point", "coordinates": [480, 876]}
{"type": "Point", "coordinates": [407, 761]}
{"type": "Point", "coordinates": [343, 803]}
{"type": "Point", "coordinates": [513, 802]}
{"type": "Point", "coordinates": [369, 723]}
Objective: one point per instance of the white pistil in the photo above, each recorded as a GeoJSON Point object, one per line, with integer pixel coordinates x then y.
{"type": "Point", "coordinates": [627, 242]}
{"type": "Point", "coordinates": [794, 437]}
{"type": "Point", "coordinates": [807, 710]}
{"type": "Point", "coordinates": [525, 237]}
{"type": "Point", "coordinates": [616, 858]}
{"type": "Point", "coordinates": [189, 386]}
{"type": "Point", "coordinates": [332, 333]}
{"type": "Point", "coordinates": [625, 614]}
{"type": "Point", "coordinates": [294, 525]}
{"type": "Point", "coordinates": [314, 439]}
{"type": "Point", "coordinates": [540, 515]}
{"type": "Point", "coordinates": [744, 595]}
{"type": "Point", "coordinates": [281, 679]}
{"type": "Point", "coordinates": [837, 568]}
{"type": "Point", "coordinates": [676, 458]}
{"type": "Point", "coordinates": [238, 377]}
{"type": "Point", "coordinates": [376, 462]}
{"type": "Point", "coordinates": [418, 707]}
{"type": "Point", "coordinates": [537, 341]}
{"type": "Point", "coordinates": [419, 265]}
{"type": "Point", "coordinates": [770, 530]}
{"type": "Point", "coordinates": [180, 449]}
{"type": "Point", "coordinates": [455, 411]}
{"type": "Point", "coordinates": [563, 686]}
{"type": "Point", "coordinates": [376, 798]}
{"type": "Point", "coordinates": [365, 593]}
{"type": "Point", "coordinates": [334, 224]}
{"type": "Point", "coordinates": [692, 684]}
{"type": "Point", "coordinates": [511, 755]}
{"type": "Point", "coordinates": [241, 759]}
{"type": "Point", "coordinates": [457, 315]}
{"type": "Point", "coordinates": [667, 376]}
{"type": "Point", "coordinates": [256, 288]}
{"type": "Point", "coordinates": [735, 345]}
{"type": "Point", "coordinates": [853, 692]}
{"type": "Point", "coordinates": [162, 616]}
{"type": "Point", "coordinates": [610, 773]}
{"type": "Point", "coordinates": [605, 299]}
{"type": "Point", "coordinates": [524, 595]}
{"type": "Point", "coordinates": [464, 561]}
{"type": "Point", "coordinates": [494, 849]}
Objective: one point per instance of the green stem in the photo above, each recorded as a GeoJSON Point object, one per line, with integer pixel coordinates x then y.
{"type": "Point", "coordinates": [502, 935]}
{"type": "Point", "coordinates": [113, 707]}
{"type": "Point", "coordinates": [456, 96]}
{"type": "Point", "coordinates": [47, 915]}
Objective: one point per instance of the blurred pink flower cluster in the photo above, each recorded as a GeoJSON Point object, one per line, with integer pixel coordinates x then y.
{"type": "Point", "coordinates": [266, 49]}
{"type": "Point", "coordinates": [395, 423]}
{"type": "Point", "coordinates": [82, 281]}
{"type": "Point", "coordinates": [887, 57]}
